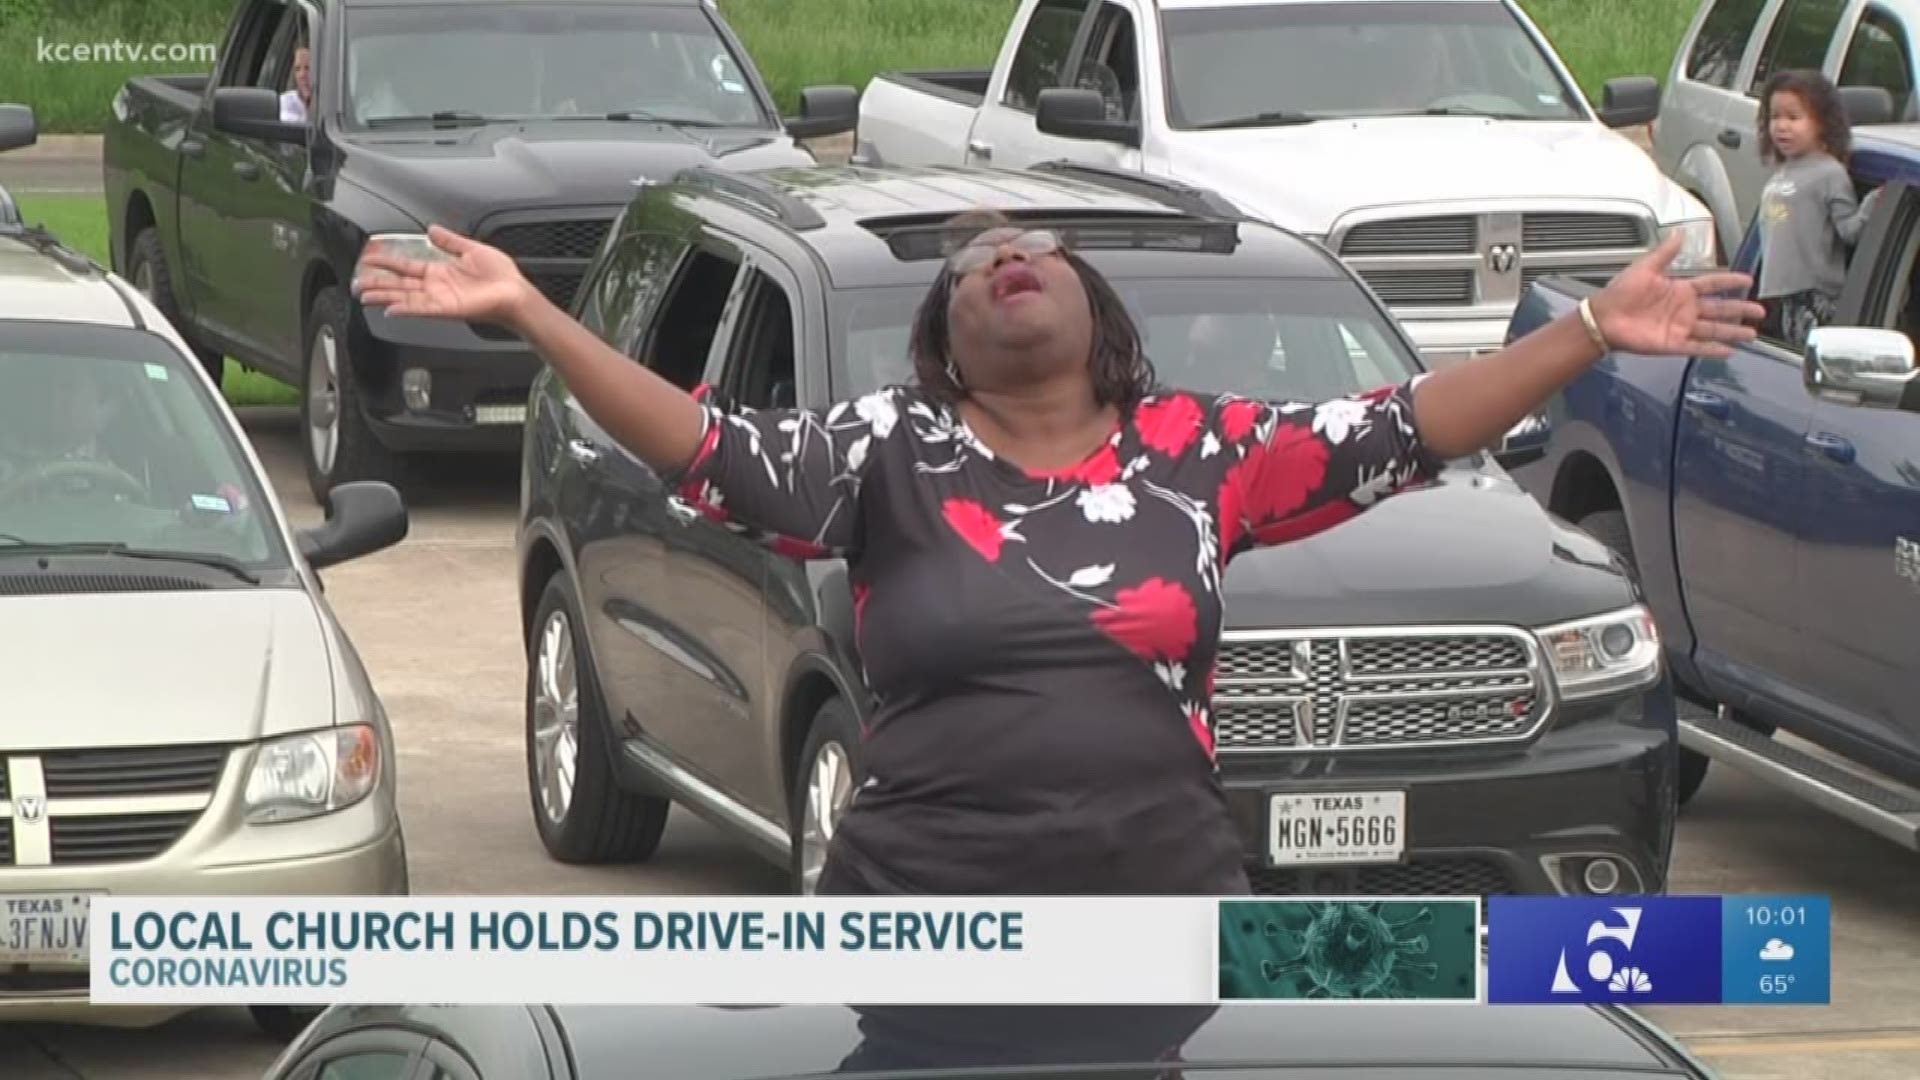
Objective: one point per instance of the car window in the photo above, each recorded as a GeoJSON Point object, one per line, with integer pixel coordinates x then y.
{"type": "Point", "coordinates": [1112, 64]}
{"type": "Point", "coordinates": [249, 52]}
{"type": "Point", "coordinates": [1878, 55]}
{"type": "Point", "coordinates": [1040, 61]}
{"type": "Point", "coordinates": [1722, 41]}
{"type": "Point", "coordinates": [107, 436]}
{"type": "Point", "coordinates": [760, 370]}
{"type": "Point", "coordinates": [368, 1065]}
{"type": "Point", "coordinates": [1298, 340]}
{"type": "Point", "coordinates": [1801, 34]}
{"type": "Point", "coordinates": [678, 342]}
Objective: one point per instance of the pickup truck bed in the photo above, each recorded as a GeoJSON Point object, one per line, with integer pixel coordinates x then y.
{"type": "Point", "coordinates": [938, 107]}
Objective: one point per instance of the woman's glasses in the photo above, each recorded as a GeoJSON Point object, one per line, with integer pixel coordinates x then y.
{"type": "Point", "coordinates": [983, 249]}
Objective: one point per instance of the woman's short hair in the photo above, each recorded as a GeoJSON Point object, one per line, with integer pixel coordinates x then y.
{"type": "Point", "coordinates": [1122, 374]}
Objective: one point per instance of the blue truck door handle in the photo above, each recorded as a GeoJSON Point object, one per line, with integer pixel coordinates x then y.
{"type": "Point", "coordinates": [1707, 402]}
{"type": "Point", "coordinates": [1831, 445]}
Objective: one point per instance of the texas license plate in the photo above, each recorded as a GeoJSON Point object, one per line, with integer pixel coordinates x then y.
{"type": "Point", "coordinates": [1338, 827]}
{"type": "Point", "coordinates": [43, 928]}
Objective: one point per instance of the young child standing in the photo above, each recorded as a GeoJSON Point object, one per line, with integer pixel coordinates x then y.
{"type": "Point", "coordinates": [1809, 217]}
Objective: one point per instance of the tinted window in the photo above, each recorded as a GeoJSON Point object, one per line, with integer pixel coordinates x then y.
{"type": "Point", "coordinates": [106, 436]}
{"type": "Point", "coordinates": [760, 372]}
{"type": "Point", "coordinates": [1041, 60]}
{"type": "Point", "coordinates": [681, 338]}
{"type": "Point", "coordinates": [374, 1065]}
{"type": "Point", "coordinates": [1233, 64]}
{"type": "Point", "coordinates": [1877, 56]}
{"type": "Point", "coordinates": [1722, 41]}
{"type": "Point", "coordinates": [1294, 339]}
{"type": "Point", "coordinates": [1801, 33]}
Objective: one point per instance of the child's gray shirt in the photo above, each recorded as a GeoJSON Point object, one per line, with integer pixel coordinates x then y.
{"type": "Point", "coordinates": [1809, 221]}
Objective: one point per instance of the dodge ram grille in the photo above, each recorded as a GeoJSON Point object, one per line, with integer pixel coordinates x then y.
{"type": "Point", "coordinates": [552, 253]}
{"type": "Point", "coordinates": [70, 807]}
{"type": "Point", "coordinates": [1464, 260]}
{"type": "Point", "coordinates": [1370, 689]}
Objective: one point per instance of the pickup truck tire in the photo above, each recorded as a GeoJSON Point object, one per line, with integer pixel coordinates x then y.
{"type": "Point", "coordinates": [824, 781]}
{"type": "Point", "coordinates": [148, 273]}
{"type": "Point", "coordinates": [585, 816]}
{"type": "Point", "coordinates": [1610, 528]}
{"type": "Point", "coordinates": [335, 440]}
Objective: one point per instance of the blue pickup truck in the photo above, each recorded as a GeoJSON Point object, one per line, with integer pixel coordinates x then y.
{"type": "Point", "coordinates": [1769, 505]}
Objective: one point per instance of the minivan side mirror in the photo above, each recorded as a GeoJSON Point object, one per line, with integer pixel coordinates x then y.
{"type": "Point", "coordinates": [253, 112]}
{"type": "Point", "coordinates": [824, 111]}
{"type": "Point", "coordinates": [1073, 113]}
{"type": "Point", "coordinates": [1862, 365]}
{"type": "Point", "coordinates": [17, 127]}
{"type": "Point", "coordinates": [362, 517]}
{"type": "Point", "coordinates": [1866, 105]}
{"type": "Point", "coordinates": [1630, 101]}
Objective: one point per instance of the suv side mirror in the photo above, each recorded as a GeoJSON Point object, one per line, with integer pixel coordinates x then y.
{"type": "Point", "coordinates": [824, 111]}
{"type": "Point", "coordinates": [1630, 101]}
{"type": "Point", "coordinates": [362, 517]}
{"type": "Point", "coordinates": [1527, 442]}
{"type": "Point", "coordinates": [253, 112]}
{"type": "Point", "coordinates": [1866, 105]}
{"type": "Point", "coordinates": [1862, 365]}
{"type": "Point", "coordinates": [1072, 113]}
{"type": "Point", "coordinates": [17, 127]}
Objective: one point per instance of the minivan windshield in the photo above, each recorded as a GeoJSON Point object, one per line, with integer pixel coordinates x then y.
{"type": "Point", "coordinates": [1256, 65]}
{"type": "Point", "coordinates": [1277, 339]}
{"type": "Point", "coordinates": [108, 441]}
{"type": "Point", "coordinates": [422, 63]}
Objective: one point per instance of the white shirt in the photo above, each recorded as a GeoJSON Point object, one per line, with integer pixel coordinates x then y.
{"type": "Point", "coordinates": [292, 109]}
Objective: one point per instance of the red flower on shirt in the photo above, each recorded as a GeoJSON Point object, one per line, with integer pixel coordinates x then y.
{"type": "Point", "coordinates": [976, 525]}
{"type": "Point", "coordinates": [1103, 467]}
{"type": "Point", "coordinates": [1233, 507]}
{"type": "Point", "coordinates": [797, 549]}
{"type": "Point", "coordinates": [1155, 620]}
{"type": "Point", "coordinates": [859, 610]}
{"type": "Point", "coordinates": [1289, 468]}
{"type": "Point", "coordinates": [1237, 420]}
{"type": "Point", "coordinates": [1169, 424]}
{"type": "Point", "coordinates": [1197, 720]}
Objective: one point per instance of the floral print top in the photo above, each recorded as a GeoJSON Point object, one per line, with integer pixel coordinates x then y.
{"type": "Point", "coordinates": [1041, 646]}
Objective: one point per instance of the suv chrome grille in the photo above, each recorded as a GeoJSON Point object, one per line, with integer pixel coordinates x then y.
{"type": "Point", "coordinates": [1368, 689]}
{"type": "Point", "coordinates": [552, 252]}
{"type": "Point", "coordinates": [120, 804]}
{"type": "Point", "coordinates": [1461, 260]}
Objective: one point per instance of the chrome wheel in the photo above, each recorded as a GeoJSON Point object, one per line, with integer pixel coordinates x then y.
{"type": "Point", "coordinates": [829, 789]}
{"type": "Point", "coordinates": [556, 718]}
{"type": "Point", "coordinates": [323, 400]}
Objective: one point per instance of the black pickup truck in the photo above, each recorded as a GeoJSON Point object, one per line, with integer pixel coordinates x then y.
{"type": "Point", "coordinates": [523, 122]}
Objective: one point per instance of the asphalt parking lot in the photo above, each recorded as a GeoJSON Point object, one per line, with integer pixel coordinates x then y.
{"type": "Point", "coordinates": [435, 620]}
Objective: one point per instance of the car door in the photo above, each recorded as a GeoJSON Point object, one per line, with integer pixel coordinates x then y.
{"type": "Point", "coordinates": [221, 258]}
{"type": "Point", "coordinates": [1049, 55]}
{"type": "Point", "coordinates": [1859, 571]}
{"type": "Point", "coordinates": [278, 208]}
{"type": "Point", "coordinates": [1705, 89]}
{"type": "Point", "coordinates": [1802, 34]}
{"type": "Point", "coordinates": [1879, 52]}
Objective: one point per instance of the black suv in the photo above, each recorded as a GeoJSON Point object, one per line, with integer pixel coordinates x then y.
{"type": "Point", "coordinates": [1454, 693]}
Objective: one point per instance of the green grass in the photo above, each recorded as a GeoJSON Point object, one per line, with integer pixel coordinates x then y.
{"type": "Point", "coordinates": [795, 42]}
{"type": "Point", "coordinates": [81, 221]}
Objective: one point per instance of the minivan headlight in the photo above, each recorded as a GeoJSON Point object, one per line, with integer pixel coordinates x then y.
{"type": "Point", "coordinates": [315, 772]}
{"type": "Point", "coordinates": [1604, 654]}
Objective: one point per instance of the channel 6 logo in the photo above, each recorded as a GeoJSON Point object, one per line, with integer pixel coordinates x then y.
{"type": "Point", "coordinates": [1568, 949]}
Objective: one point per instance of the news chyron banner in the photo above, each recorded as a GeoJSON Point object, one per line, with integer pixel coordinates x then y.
{"type": "Point", "coordinates": [927, 951]}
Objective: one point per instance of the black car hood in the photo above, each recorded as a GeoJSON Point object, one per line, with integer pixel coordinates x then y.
{"type": "Point", "coordinates": [455, 176]}
{"type": "Point", "coordinates": [1473, 547]}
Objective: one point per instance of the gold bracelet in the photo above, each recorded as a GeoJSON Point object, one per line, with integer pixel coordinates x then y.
{"type": "Point", "coordinates": [1593, 325]}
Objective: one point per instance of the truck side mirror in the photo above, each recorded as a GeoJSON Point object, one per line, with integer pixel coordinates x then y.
{"type": "Point", "coordinates": [824, 111]}
{"type": "Point", "coordinates": [1862, 365]}
{"type": "Point", "coordinates": [1630, 101]}
{"type": "Point", "coordinates": [17, 127]}
{"type": "Point", "coordinates": [1072, 113]}
{"type": "Point", "coordinates": [1867, 105]}
{"type": "Point", "coordinates": [253, 112]}
{"type": "Point", "coordinates": [1527, 442]}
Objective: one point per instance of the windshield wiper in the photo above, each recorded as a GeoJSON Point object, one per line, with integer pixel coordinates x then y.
{"type": "Point", "coordinates": [1468, 110]}
{"type": "Point", "coordinates": [14, 545]}
{"type": "Point", "coordinates": [1265, 119]}
{"type": "Point", "coordinates": [445, 117]}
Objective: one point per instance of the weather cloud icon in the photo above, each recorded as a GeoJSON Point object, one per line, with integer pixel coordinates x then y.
{"type": "Point", "coordinates": [1777, 950]}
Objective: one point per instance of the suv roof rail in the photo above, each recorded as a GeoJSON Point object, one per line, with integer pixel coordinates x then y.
{"type": "Point", "coordinates": [766, 197]}
{"type": "Point", "coordinates": [1186, 198]}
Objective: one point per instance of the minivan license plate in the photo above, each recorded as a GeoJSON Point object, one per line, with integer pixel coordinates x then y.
{"type": "Point", "coordinates": [1338, 827]}
{"type": "Point", "coordinates": [43, 928]}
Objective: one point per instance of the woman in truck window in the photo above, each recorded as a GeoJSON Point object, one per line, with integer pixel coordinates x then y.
{"type": "Point", "coordinates": [1809, 217]}
{"type": "Point", "coordinates": [1036, 537]}
{"type": "Point", "coordinates": [296, 102]}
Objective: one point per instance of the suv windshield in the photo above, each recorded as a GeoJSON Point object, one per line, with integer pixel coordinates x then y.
{"type": "Point", "coordinates": [1276, 63]}
{"type": "Point", "coordinates": [409, 65]}
{"type": "Point", "coordinates": [106, 438]}
{"type": "Point", "coordinates": [1274, 338]}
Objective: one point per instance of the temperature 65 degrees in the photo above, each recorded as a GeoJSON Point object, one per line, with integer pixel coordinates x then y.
{"type": "Point", "coordinates": [1775, 984]}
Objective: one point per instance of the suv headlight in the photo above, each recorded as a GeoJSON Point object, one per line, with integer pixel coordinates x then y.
{"type": "Point", "coordinates": [315, 772]}
{"type": "Point", "coordinates": [1604, 654]}
{"type": "Point", "coordinates": [1696, 249]}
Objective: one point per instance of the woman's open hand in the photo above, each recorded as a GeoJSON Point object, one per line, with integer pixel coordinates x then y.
{"type": "Point", "coordinates": [479, 283]}
{"type": "Point", "coordinates": [1645, 311]}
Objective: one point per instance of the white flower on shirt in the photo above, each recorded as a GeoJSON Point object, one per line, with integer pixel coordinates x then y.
{"type": "Point", "coordinates": [1174, 675]}
{"type": "Point", "coordinates": [1339, 416]}
{"type": "Point", "coordinates": [878, 409]}
{"type": "Point", "coordinates": [1108, 502]}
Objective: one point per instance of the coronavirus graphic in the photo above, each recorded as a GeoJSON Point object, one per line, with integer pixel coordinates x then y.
{"type": "Point", "coordinates": [1350, 950]}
